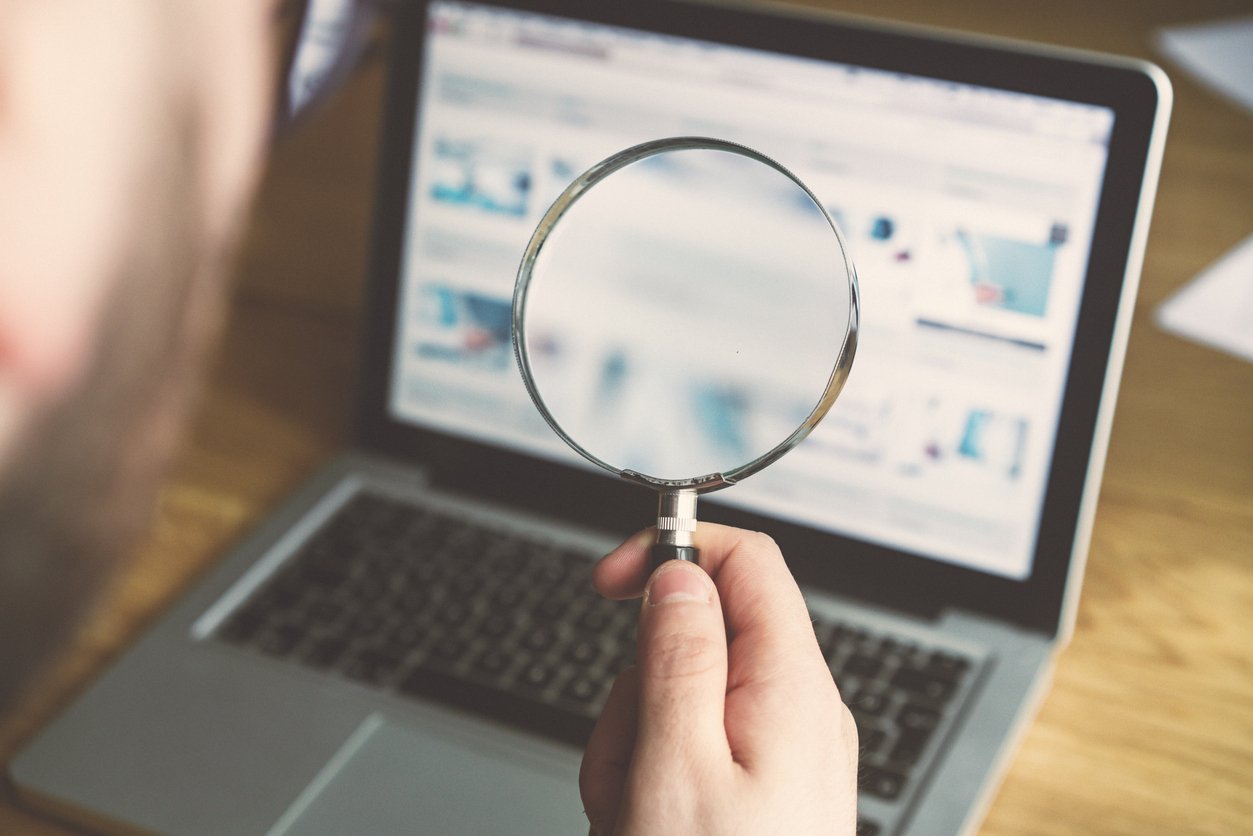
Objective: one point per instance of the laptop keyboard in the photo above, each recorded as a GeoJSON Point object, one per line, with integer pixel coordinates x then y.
{"type": "Point", "coordinates": [417, 602]}
{"type": "Point", "coordinates": [900, 694]}
{"type": "Point", "coordinates": [421, 603]}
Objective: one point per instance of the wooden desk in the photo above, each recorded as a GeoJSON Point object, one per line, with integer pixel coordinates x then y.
{"type": "Point", "coordinates": [1149, 725]}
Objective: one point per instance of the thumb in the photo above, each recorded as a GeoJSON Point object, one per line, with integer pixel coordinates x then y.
{"type": "Point", "coordinates": [681, 655]}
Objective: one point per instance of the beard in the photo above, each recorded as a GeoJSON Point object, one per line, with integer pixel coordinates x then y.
{"type": "Point", "coordinates": [81, 483]}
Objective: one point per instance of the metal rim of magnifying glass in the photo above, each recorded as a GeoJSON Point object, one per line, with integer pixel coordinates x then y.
{"type": "Point", "coordinates": [622, 159]}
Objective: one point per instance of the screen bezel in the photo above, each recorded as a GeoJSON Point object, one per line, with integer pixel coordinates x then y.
{"type": "Point", "coordinates": [850, 566]}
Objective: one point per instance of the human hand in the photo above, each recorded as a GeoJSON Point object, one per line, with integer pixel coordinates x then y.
{"type": "Point", "coordinates": [730, 722]}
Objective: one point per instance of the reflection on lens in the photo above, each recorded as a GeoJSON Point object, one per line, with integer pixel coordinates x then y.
{"type": "Point", "coordinates": [686, 312]}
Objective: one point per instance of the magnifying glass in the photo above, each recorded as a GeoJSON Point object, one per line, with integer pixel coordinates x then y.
{"type": "Point", "coordinates": [685, 313]}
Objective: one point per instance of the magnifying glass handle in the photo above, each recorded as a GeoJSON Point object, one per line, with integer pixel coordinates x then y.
{"type": "Point", "coordinates": [676, 526]}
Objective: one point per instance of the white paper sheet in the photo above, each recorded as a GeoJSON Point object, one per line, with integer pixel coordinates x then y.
{"type": "Point", "coordinates": [1219, 53]}
{"type": "Point", "coordinates": [1216, 308]}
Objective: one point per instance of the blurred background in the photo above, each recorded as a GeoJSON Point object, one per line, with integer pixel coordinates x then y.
{"type": "Point", "coordinates": [1149, 725]}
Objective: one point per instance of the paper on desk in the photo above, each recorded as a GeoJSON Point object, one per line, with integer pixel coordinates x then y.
{"type": "Point", "coordinates": [1216, 308]}
{"type": "Point", "coordinates": [1219, 53]}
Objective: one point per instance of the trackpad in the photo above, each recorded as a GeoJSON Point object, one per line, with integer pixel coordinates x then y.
{"type": "Point", "coordinates": [389, 778]}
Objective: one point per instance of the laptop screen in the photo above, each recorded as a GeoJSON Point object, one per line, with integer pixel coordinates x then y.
{"type": "Point", "coordinates": [969, 213]}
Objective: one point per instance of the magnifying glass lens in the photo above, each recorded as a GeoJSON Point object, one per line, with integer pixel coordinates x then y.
{"type": "Point", "coordinates": [685, 313]}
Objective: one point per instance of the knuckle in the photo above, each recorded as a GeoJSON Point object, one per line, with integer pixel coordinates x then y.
{"type": "Point", "coordinates": [679, 655]}
{"type": "Point", "coordinates": [761, 541]}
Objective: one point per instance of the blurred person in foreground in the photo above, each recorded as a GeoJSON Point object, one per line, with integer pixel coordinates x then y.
{"type": "Point", "coordinates": [132, 134]}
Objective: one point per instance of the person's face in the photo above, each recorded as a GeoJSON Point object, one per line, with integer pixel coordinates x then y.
{"type": "Point", "coordinates": [131, 135]}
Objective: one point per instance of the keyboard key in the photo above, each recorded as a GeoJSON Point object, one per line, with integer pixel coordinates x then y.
{"type": "Point", "coordinates": [496, 625]}
{"type": "Point", "coordinates": [861, 665]}
{"type": "Point", "coordinates": [598, 616]}
{"type": "Point", "coordinates": [368, 623]}
{"type": "Point", "coordinates": [582, 689]}
{"type": "Point", "coordinates": [453, 612]}
{"type": "Point", "coordinates": [372, 665]}
{"type": "Point", "coordinates": [866, 827]}
{"type": "Point", "coordinates": [450, 648]}
{"type": "Point", "coordinates": [880, 782]}
{"type": "Point", "coordinates": [330, 573]}
{"type": "Point", "coordinates": [918, 717]}
{"type": "Point", "coordinates": [369, 587]}
{"type": "Point", "coordinates": [279, 641]}
{"type": "Point", "coordinates": [923, 684]}
{"type": "Point", "coordinates": [508, 596]}
{"type": "Point", "coordinates": [539, 638]}
{"type": "Point", "coordinates": [909, 746]}
{"type": "Point", "coordinates": [324, 653]}
{"type": "Point", "coordinates": [493, 662]}
{"type": "Point", "coordinates": [535, 676]}
{"type": "Point", "coordinates": [323, 612]}
{"type": "Point", "coordinates": [947, 666]}
{"type": "Point", "coordinates": [871, 703]}
{"type": "Point", "coordinates": [413, 600]}
{"type": "Point", "coordinates": [549, 610]}
{"type": "Point", "coordinates": [548, 573]}
{"type": "Point", "coordinates": [241, 626]}
{"type": "Point", "coordinates": [420, 575]}
{"type": "Point", "coordinates": [406, 634]}
{"type": "Point", "coordinates": [584, 652]}
{"type": "Point", "coordinates": [491, 701]}
{"type": "Point", "coordinates": [464, 585]}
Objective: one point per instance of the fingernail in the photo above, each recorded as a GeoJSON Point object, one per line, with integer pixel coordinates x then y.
{"type": "Point", "coordinates": [678, 581]}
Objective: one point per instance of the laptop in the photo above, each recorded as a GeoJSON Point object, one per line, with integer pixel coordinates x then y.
{"type": "Point", "coordinates": [410, 643]}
